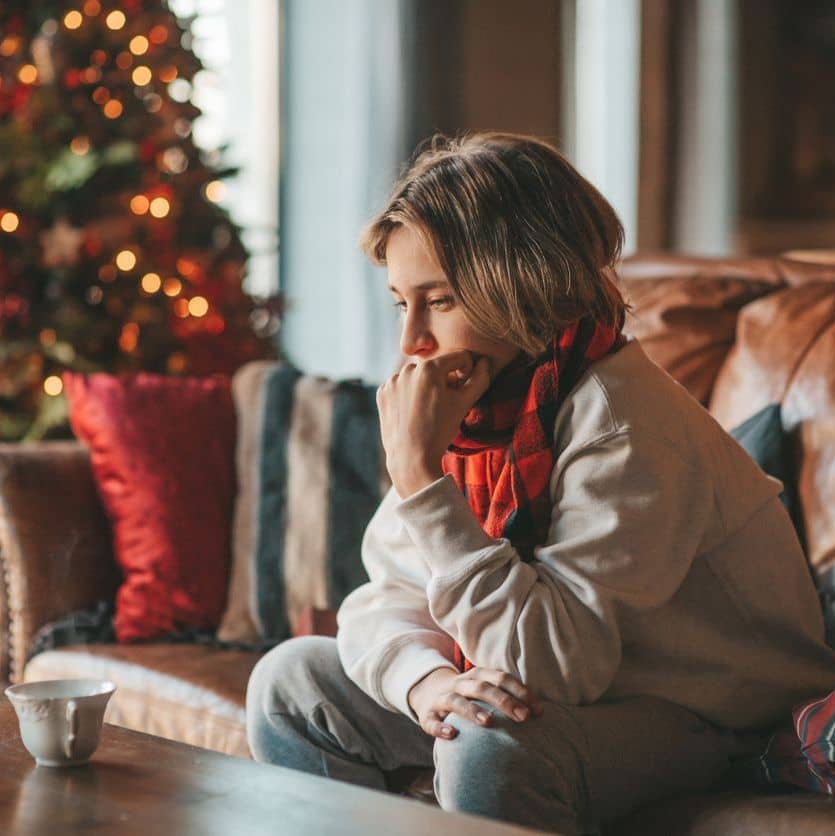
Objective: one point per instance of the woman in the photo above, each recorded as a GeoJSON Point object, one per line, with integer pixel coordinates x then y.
{"type": "Point", "coordinates": [583, 594]}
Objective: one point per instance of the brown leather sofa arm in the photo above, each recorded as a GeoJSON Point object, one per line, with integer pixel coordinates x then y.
{"type": "Point", "coordinates": [55, 544]}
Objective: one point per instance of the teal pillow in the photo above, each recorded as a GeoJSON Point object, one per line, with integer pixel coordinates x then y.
{"type": "Point", "coordinates": [764, 439]}
{"type": "Point", "coordinates": [771, 447]}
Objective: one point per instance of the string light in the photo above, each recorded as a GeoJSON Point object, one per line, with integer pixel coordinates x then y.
{"type": "Point", "coordinates": [152, 102]}
{"type": "Point", "coordinates": [27, 74]}
{"type": "Point", "coordinates": [215, 325]}
{"type": "Point", "coordinates": [172, 287]}
{"type": "Point", "coordinates": [182, 127]}
{"type": "Point", "coordinates": [91, 7]}
{"type": "Point", "coordinates": [181, 308]}
{"type": "Point", "coordinates": [142, 76]}
{"type": "Point", "coordinates": [215, 191]}
{"type": "Point", "coordinates": [167, 73]}
{"type": "Point", "coordinates": [53, 385]}
{"type": "Point", "coordinates": [177, 362]}
{"type": "Point", "coordinates": [108, 273]}
{"type": "Point", "coordinates": [9, 45]}
{"type": "Point", "coordinates": [90, 75]}
{"type": "Point", "coordinates": [80, 145]}
{"type": "Point", "coordinates": [124, 60]}
{"type": "Point", "coordinates": [98, 57]}
{"type": "Point", "coordinates": [115, 20]}
{"type": "Point", "coordinates": [139, 204]}
{"type": "Point", "coordinates": [126, 260]}
{"type": "Point", "coordinates": [160, 207]}
{"type": "Point", "coordinates": [198, 306]}
{"type": "Point", "coordinates": [138, 45]}
{"type": "Point", "coordinates": [101, 95]}
{"type": "Point", "coordinates": [113, 109]}
{"type": "Point", "coordinates": [47, 337]}
{"type": "Point", "coordinates": [188, 268]}
{"type": "Point", "coordinates": [173, 160]}
{"type": "Point", "coordinates": [151, 282]}
{"type": "Point", "coordinates": [49, 27]}
{"type": "Point", "coordinates": [129, 338]}
{"type": "Point", "coordinates": [9, 222]}
{"type": "Point", "coordinates": [179, 90]}
{"type": "Point", "coordinates": [94, 295]}
{"type": "Point", "coordinates": [73, 19]}
{"type": "Point", "coordinates": [158, 35]}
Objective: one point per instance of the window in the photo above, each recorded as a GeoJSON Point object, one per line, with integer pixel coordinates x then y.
{"type": "Point", "coordinates": [237, 41]}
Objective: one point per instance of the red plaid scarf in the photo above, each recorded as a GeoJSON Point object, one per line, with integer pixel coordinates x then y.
{"type": "Point", "coordinates": [503, 456]}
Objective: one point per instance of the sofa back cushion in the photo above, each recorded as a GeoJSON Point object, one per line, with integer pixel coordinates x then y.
{"type": "Point", "coordinates": [785, 350]}
{"type": "Point", "coordinates": [162, 454]}
{"type": "Point", "coordinates": [56, 543]}
{"type": "Point", "coordinates": [685, 310]}
{"type": "Point", "coordinates": [310, 476]}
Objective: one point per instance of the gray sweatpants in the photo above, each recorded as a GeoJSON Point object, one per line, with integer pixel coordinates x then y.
{"type": "Point", "coordinates": [569, 770]}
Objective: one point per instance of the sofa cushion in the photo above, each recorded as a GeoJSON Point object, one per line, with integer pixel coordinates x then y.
{"type": "Point", "coordinates": [783, 352]}
{"type": "Point", "coordinates": [184, 692]}
{"type": "Point", "coordinates": [162, 452]}
{"type": "Point", "coordinates": [685, 311]}
{"type": "Point", "coordinates": [56, 554]}
{"type": "Point", "coordinates": [310, 476]}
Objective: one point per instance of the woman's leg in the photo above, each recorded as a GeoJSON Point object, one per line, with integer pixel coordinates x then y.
{"type": "Point", "coordinates": [304, 713]}
{"type": "Point", "coordinates": [579, 766]}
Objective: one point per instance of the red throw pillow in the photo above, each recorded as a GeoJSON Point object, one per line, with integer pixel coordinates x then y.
{"type": "Point", "coordinates": [162, 451]}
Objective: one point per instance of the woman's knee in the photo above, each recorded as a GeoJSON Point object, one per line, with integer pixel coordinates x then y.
{"type": "Point", "coordinates": [283, 688]}
{"type": "Point", "coordinates": [290, 678]}
{"type": "Point", "coordinates": [491, 770]}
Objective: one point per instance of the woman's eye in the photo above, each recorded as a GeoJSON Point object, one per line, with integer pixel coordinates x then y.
{"type": "Point", "coordinates": [441, 303]}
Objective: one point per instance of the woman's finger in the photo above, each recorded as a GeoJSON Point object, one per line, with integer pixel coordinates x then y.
{"type": "Point", "coordinates": [456, 703]}
{"type": "Point", "coordinates": [433, 723]}
{"type": "Point", "coordinates": [481, 689]}
{"type": "Point", "coordinates": [510, 684]}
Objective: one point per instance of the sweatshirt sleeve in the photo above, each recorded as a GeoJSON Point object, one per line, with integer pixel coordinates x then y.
{"type": "Point", "coordinates": [627, 520]}
{"type": "Point", "coordinates": [387, 638]}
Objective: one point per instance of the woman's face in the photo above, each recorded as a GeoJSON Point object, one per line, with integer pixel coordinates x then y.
{"type": "Point", "coordinates": [432, 322]}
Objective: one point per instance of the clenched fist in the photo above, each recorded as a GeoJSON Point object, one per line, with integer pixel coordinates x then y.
{"type": "Point", "coordinates": [421, 408]}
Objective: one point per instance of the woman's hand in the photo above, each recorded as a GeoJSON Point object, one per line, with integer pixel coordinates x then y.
{"type": "Point", "coordinates": [445, 691]}
{"type": "Point", "coordinates": [421, 408]}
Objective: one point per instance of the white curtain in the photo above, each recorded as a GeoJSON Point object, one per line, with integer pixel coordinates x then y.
{"type": "Point", "coordinates": [342, 142]}
{"type": "Point", "coordinates": [602, 116]}
{"type": "Point", "coordinates": [706, 177]}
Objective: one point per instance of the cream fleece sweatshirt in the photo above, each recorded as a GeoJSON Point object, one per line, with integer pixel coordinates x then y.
{"type": "Point", "coordinates": [670, 569]}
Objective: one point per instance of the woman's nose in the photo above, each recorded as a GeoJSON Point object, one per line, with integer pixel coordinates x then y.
{"type": "Point", "coordinates": [416, 338]}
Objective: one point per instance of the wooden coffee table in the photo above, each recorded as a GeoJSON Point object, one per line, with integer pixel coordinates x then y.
{"type": "Point", "coordinates": [140, 784]}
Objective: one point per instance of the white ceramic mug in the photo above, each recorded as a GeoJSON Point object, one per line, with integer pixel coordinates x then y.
{"type": "Point", "coordinates": [60, 719]}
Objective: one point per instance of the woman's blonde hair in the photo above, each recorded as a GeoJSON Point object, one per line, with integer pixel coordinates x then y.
{"type": "Point", "coordinates": [526, 243]}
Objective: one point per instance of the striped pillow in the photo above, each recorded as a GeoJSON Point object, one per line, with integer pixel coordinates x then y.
{"type": "Point", "coordinates": [310, 475]}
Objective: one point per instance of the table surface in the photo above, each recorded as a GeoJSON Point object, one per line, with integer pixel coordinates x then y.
{"type": "Point", "coordinates": [140, 784]}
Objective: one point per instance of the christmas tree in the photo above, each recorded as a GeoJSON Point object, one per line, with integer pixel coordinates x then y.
{"type": "Point", "coordinates": [114, 252]}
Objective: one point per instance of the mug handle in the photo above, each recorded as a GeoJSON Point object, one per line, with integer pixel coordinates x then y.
{"type": "Point", "coordinates": [72, 719]}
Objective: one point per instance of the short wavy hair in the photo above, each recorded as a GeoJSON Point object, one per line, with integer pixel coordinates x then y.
{"type": "Point", "coordinates": [527, 244]}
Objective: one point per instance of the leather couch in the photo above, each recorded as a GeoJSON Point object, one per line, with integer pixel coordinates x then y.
{"type": "Point", "coordinates": [738, 333]}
